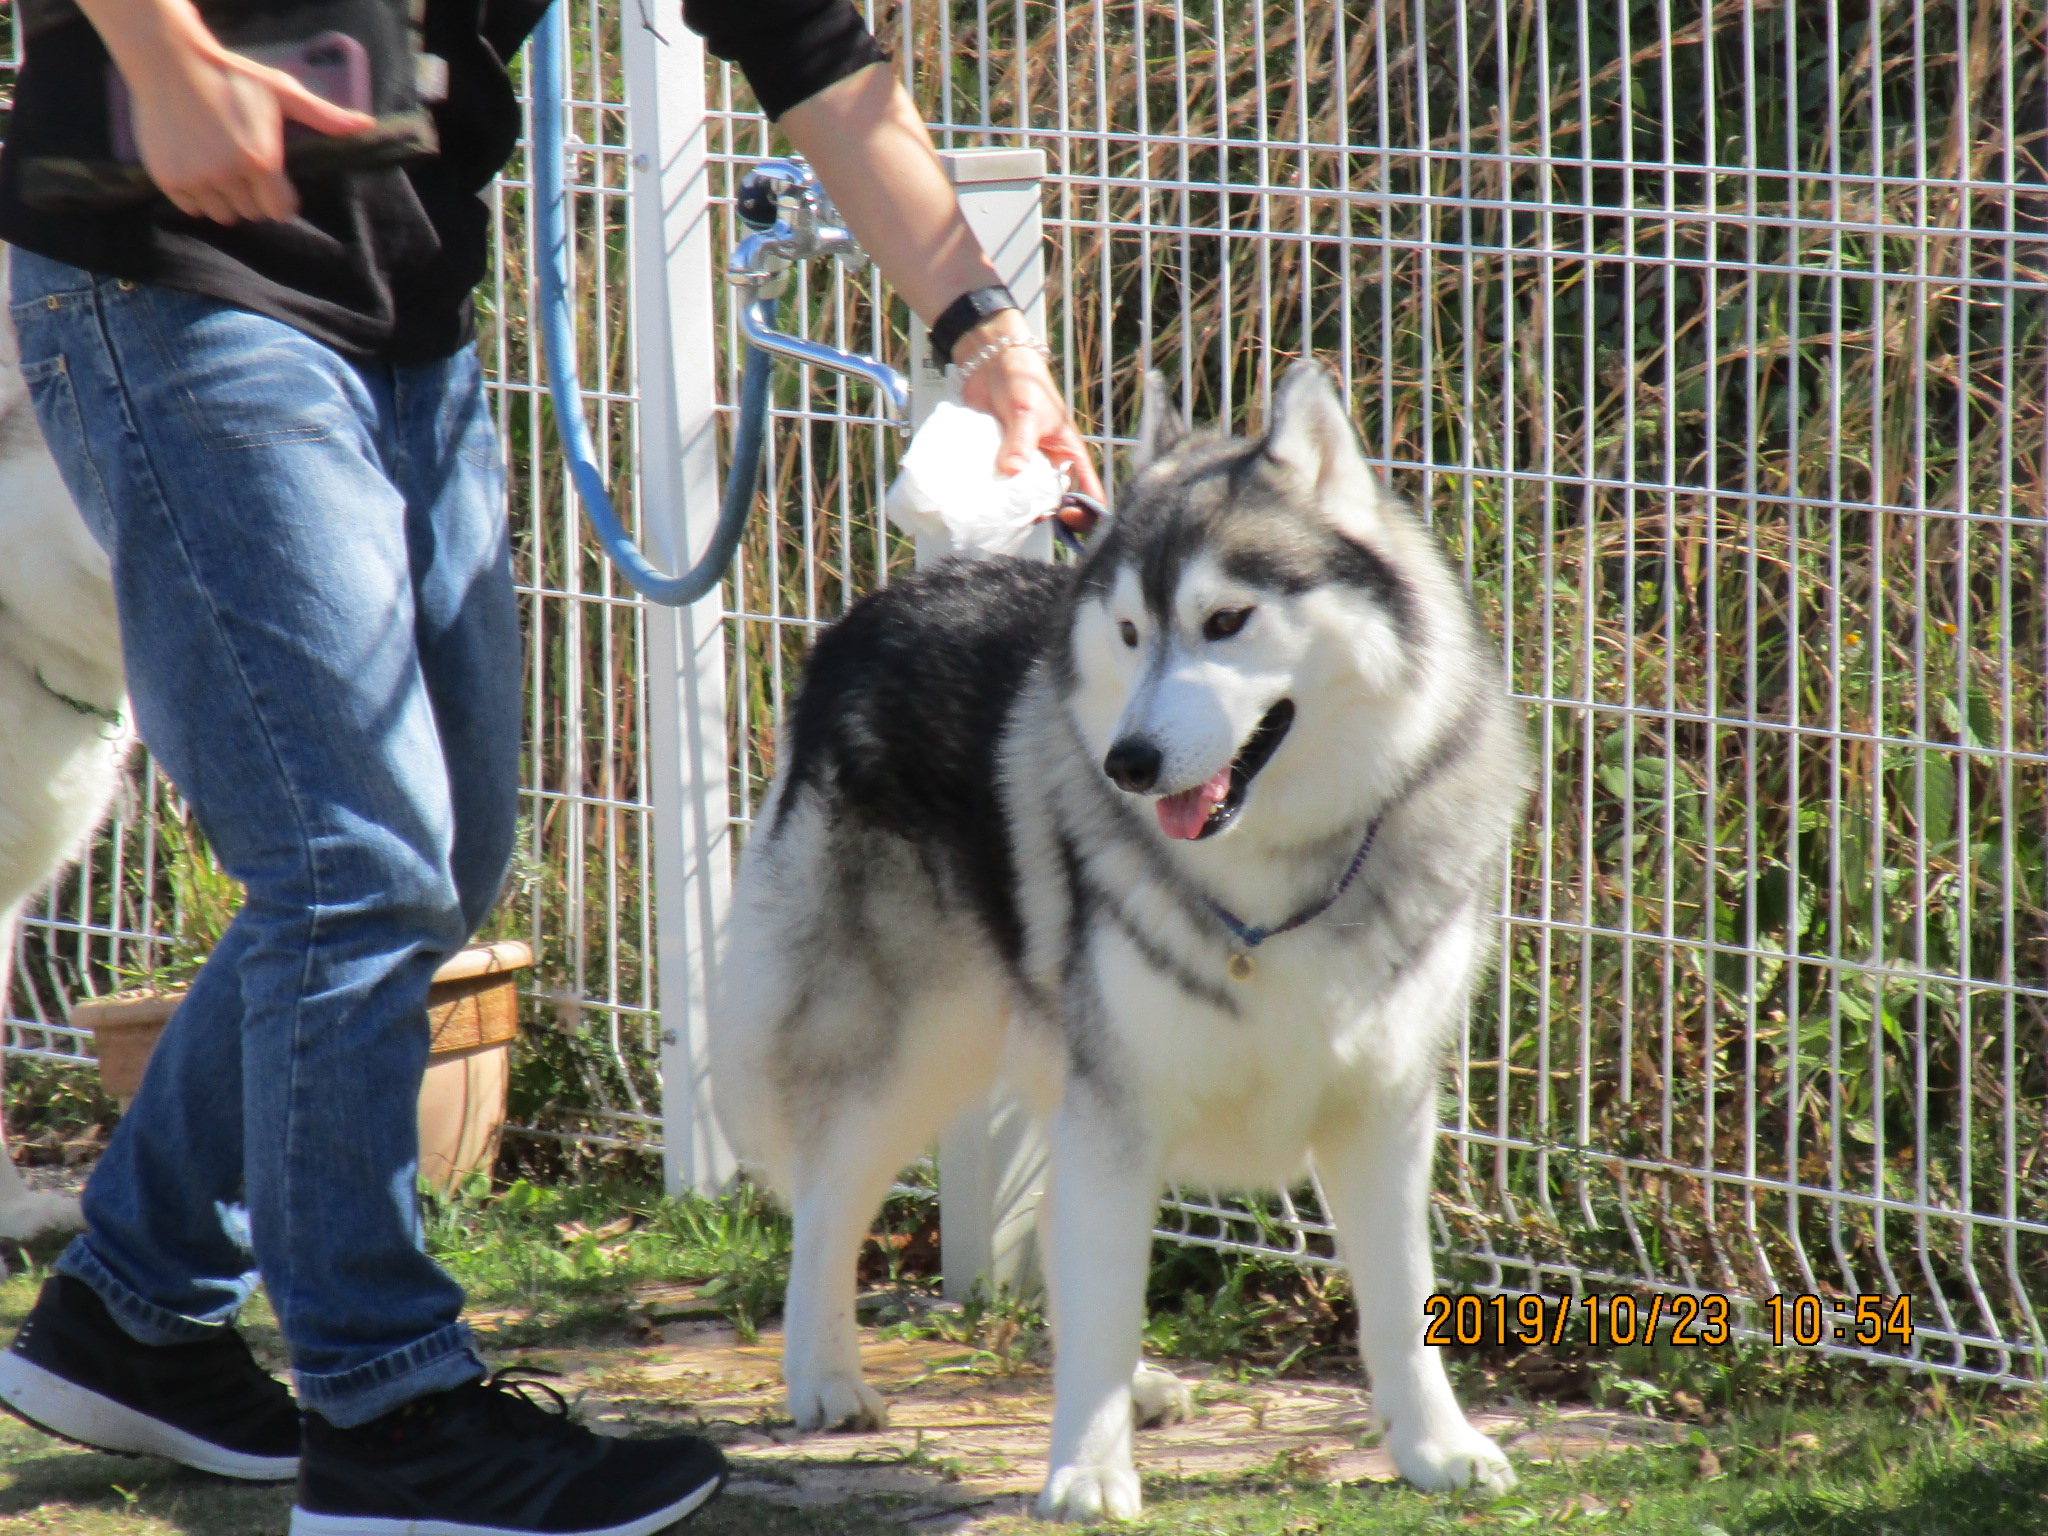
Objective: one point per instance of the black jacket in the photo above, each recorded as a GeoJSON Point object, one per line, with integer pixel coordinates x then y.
{"type": "Point", "coordinates": [378, 264]}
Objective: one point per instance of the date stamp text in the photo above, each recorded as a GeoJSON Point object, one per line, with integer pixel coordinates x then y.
{"type": "Point", "coordinates": [1686, 1321]}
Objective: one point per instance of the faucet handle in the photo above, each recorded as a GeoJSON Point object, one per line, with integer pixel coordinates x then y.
{"type": "Point", "coordinates": [765, 189]}
{"type": "Point", "coordinates": [829, 235]}
{"type": "Point", "coordinates": [782, 200]}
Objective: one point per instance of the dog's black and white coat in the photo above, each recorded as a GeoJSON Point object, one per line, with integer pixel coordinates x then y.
{"type": "Point", "coordinates": [62, 701]}
{"type": "Point", "coordinates": [1028, 821]}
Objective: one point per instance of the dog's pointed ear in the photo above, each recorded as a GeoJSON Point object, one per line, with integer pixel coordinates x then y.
{"type": "Point", "coordinates": [1309, 437]}
{"type": "Point", "coordinates": [1160, 427]}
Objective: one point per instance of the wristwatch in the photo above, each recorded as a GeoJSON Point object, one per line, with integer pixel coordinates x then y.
{"type": "Point", "coordinates": [963, 315]}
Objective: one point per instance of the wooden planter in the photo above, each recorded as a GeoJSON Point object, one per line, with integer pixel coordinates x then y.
{"type": "Point", "coordinates": [473, 1008]}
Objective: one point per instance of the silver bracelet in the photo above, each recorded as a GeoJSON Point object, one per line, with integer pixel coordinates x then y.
{"type": "Point", "coordinates": [962, 372]}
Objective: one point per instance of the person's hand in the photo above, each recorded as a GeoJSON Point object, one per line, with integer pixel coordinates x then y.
{"type": "Point", "coordinates": [209, 125]}
{"type": "Point", "coordinates": [872, 151]}
{"type": "Point", "coordinates": [1016, 387]}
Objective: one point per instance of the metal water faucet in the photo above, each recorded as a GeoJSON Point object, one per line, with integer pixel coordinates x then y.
{"type": "Point", "coordinates": [793, 220]}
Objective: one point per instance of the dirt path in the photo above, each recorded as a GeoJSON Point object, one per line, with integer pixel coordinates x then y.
{"type": "Point", "coordinates": [967, 1436]}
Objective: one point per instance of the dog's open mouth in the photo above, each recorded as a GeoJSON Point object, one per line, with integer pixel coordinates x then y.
{"type": "Point", "coordinates": [1209, 807]}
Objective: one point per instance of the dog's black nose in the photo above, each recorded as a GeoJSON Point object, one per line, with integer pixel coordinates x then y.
{"type": "Point", "coordinates": [1133, 764]}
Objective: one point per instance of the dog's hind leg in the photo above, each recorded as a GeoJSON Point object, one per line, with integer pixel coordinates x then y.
{"type": "Point", "coordinates": [836, 1193]}
{"type": "Point", "coordinates": [860, 1139]}
{"type": "Point", "coordinates": [1159, 1398]}
{"type": "Point", "coordinates": [1376, 1175]}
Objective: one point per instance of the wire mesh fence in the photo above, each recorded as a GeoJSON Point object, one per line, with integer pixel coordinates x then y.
{"type": "Point", "coordinates": [1713, 338]}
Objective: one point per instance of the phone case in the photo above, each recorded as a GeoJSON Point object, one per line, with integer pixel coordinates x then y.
{"type": "Point", "coordinates": [363, 54]}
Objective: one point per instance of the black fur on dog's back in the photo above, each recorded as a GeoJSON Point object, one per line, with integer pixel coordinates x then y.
{"type": "Point", "coordinates": [900, 715]}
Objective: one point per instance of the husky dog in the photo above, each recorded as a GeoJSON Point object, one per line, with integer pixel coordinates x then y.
{"type": "Point", "coordinates": [1195, 840]}
{"type": "Point", "coordinates": [63, 701]}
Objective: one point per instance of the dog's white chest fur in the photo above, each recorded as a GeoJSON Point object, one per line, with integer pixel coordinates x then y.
{"type": "Point", "coordinates": [1318, 1034]}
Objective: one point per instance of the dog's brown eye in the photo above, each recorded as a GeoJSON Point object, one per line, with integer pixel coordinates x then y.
{"type": "Point", "coordinates": [1224, 623]}
{"type": "Point", "coordinates": [1129, 631]}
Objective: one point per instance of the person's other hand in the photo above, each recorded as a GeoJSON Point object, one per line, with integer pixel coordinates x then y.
{"type": "Point", "coordinates": [209, 125]}
{"type": "Point", "coordinates": [1016, 387]}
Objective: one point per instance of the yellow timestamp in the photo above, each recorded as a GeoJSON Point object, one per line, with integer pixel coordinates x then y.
{"type": "Point", "coordinates": [1859, 1319]}
{"type": "Point", "coordinates": [1682, 1319]}
{"type": "Point", "coordinates": [1601, 1321]}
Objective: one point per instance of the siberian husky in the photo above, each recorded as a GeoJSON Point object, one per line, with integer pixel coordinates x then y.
{"type": "Point", "coordinates": [63, 702]}
{"type": "Point", "coordinates": [1196, 841]}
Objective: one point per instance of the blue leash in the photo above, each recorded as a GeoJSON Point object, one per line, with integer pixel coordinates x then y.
{"type": "Point", "coordinates": [550, 47]}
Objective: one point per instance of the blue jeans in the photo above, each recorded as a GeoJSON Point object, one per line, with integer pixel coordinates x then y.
{"type": "Point", "coordinates": [310, 559]}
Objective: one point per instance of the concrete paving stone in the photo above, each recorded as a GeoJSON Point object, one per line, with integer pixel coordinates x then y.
{"type": "Point", "coordinates": [965, 1444]}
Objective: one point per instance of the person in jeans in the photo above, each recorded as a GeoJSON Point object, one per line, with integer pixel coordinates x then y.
{"type": "Point", "coordinates": [265, 400]}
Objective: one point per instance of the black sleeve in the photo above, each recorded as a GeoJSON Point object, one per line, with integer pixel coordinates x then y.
{"type": "Point", "coordinates": [507, 23]}
{"type": "Point", "coordinates": [789, 50]}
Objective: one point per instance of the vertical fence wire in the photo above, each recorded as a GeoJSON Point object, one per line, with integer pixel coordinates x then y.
{"type": "Point", "coordinates": [1711, 337]}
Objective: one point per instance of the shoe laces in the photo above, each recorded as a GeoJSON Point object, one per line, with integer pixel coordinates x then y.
{"type": "Point", "coordinates": [519, 1403]}
{"type": "Point", "coordinates": [510, 1401]}
{"type": "Point", "coordinates": [527, 1386]}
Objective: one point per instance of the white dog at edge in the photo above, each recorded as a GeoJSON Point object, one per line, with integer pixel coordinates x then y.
{"type": "Point", "coordinates": [63, 703]}
{"type": "Point", "coordinates": [1196, 840]}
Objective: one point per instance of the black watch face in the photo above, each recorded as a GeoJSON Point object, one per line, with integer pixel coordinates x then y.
{"type": "Point", "coordinates": [963, 315]}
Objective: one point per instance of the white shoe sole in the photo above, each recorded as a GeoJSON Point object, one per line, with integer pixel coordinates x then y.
{"type": "Point", "coordinates": [306, 1523]}
{"type": "Point", "coordinates": [65, 1409]}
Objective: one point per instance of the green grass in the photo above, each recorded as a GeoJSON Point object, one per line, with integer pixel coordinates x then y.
{"type": "Point", "coordinates": [46, 1486]}
{"type": "Point", "coordinates": [1976, 1466]}
{"type": "Point", "coordinates": [564, 1259]}
{"type": "Point", "coordinates": [1762, 1442]}
{"type": "Point", "coordinates": [1781, 1472]}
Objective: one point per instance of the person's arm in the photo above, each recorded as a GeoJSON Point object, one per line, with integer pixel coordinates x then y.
{"type": "Point", "coordinates": [870, 149]}
{"type": "Point", "coordinates": [209, 124]}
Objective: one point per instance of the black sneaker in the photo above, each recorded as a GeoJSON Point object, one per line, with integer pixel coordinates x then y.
{"type": "Point", "coordinates": [493, 1459]}
{"type": "Point", "coordinates": [72, 1372]}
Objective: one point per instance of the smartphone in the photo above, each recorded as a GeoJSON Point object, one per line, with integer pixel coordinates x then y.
{"type": "Point", "coordinates": [360, 54]}
{"type": "Point", "coordinates": [332, 65]}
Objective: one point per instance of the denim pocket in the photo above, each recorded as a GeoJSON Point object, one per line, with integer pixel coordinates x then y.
{"type": "Point", "coordinates": [28, 312]}
{"type": "Point", "coordinates": [254, 407]}
{"type": "Point", "coordinates": [49, 386]}
{"type": "Point", "coordinates": [241, 380]}
{"type": "Point", "coordinates": [480, 450]}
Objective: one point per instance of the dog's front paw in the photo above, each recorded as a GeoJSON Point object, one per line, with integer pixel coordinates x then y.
{"type": "Point", "coordinates": [1159, 1398]}
{"type": "Point", "coordinates": [1086, 1495]}
{"type": "Point", "coordinates": [1461, 1458]}
{"type": "Point", "coordinates": [33, 1214]}
{"type": "Point", "coordinates": [836, 1401]}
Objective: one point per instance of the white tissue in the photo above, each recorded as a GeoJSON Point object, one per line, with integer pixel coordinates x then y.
{"type": "Point", "coordinates": [948, 495]}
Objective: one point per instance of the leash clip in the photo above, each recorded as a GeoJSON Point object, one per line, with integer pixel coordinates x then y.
{"type": "Point", "coordinates": [1062, 531]}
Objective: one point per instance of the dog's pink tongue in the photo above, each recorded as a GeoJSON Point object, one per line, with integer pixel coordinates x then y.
{"type": "Point", "coordinates": [1185, 814]}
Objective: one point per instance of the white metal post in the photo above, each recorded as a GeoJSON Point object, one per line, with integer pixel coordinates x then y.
{"type": "Point", "coordinates": [991, 1161]}
{"type": "Point", "coordinates": [676, 359]}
